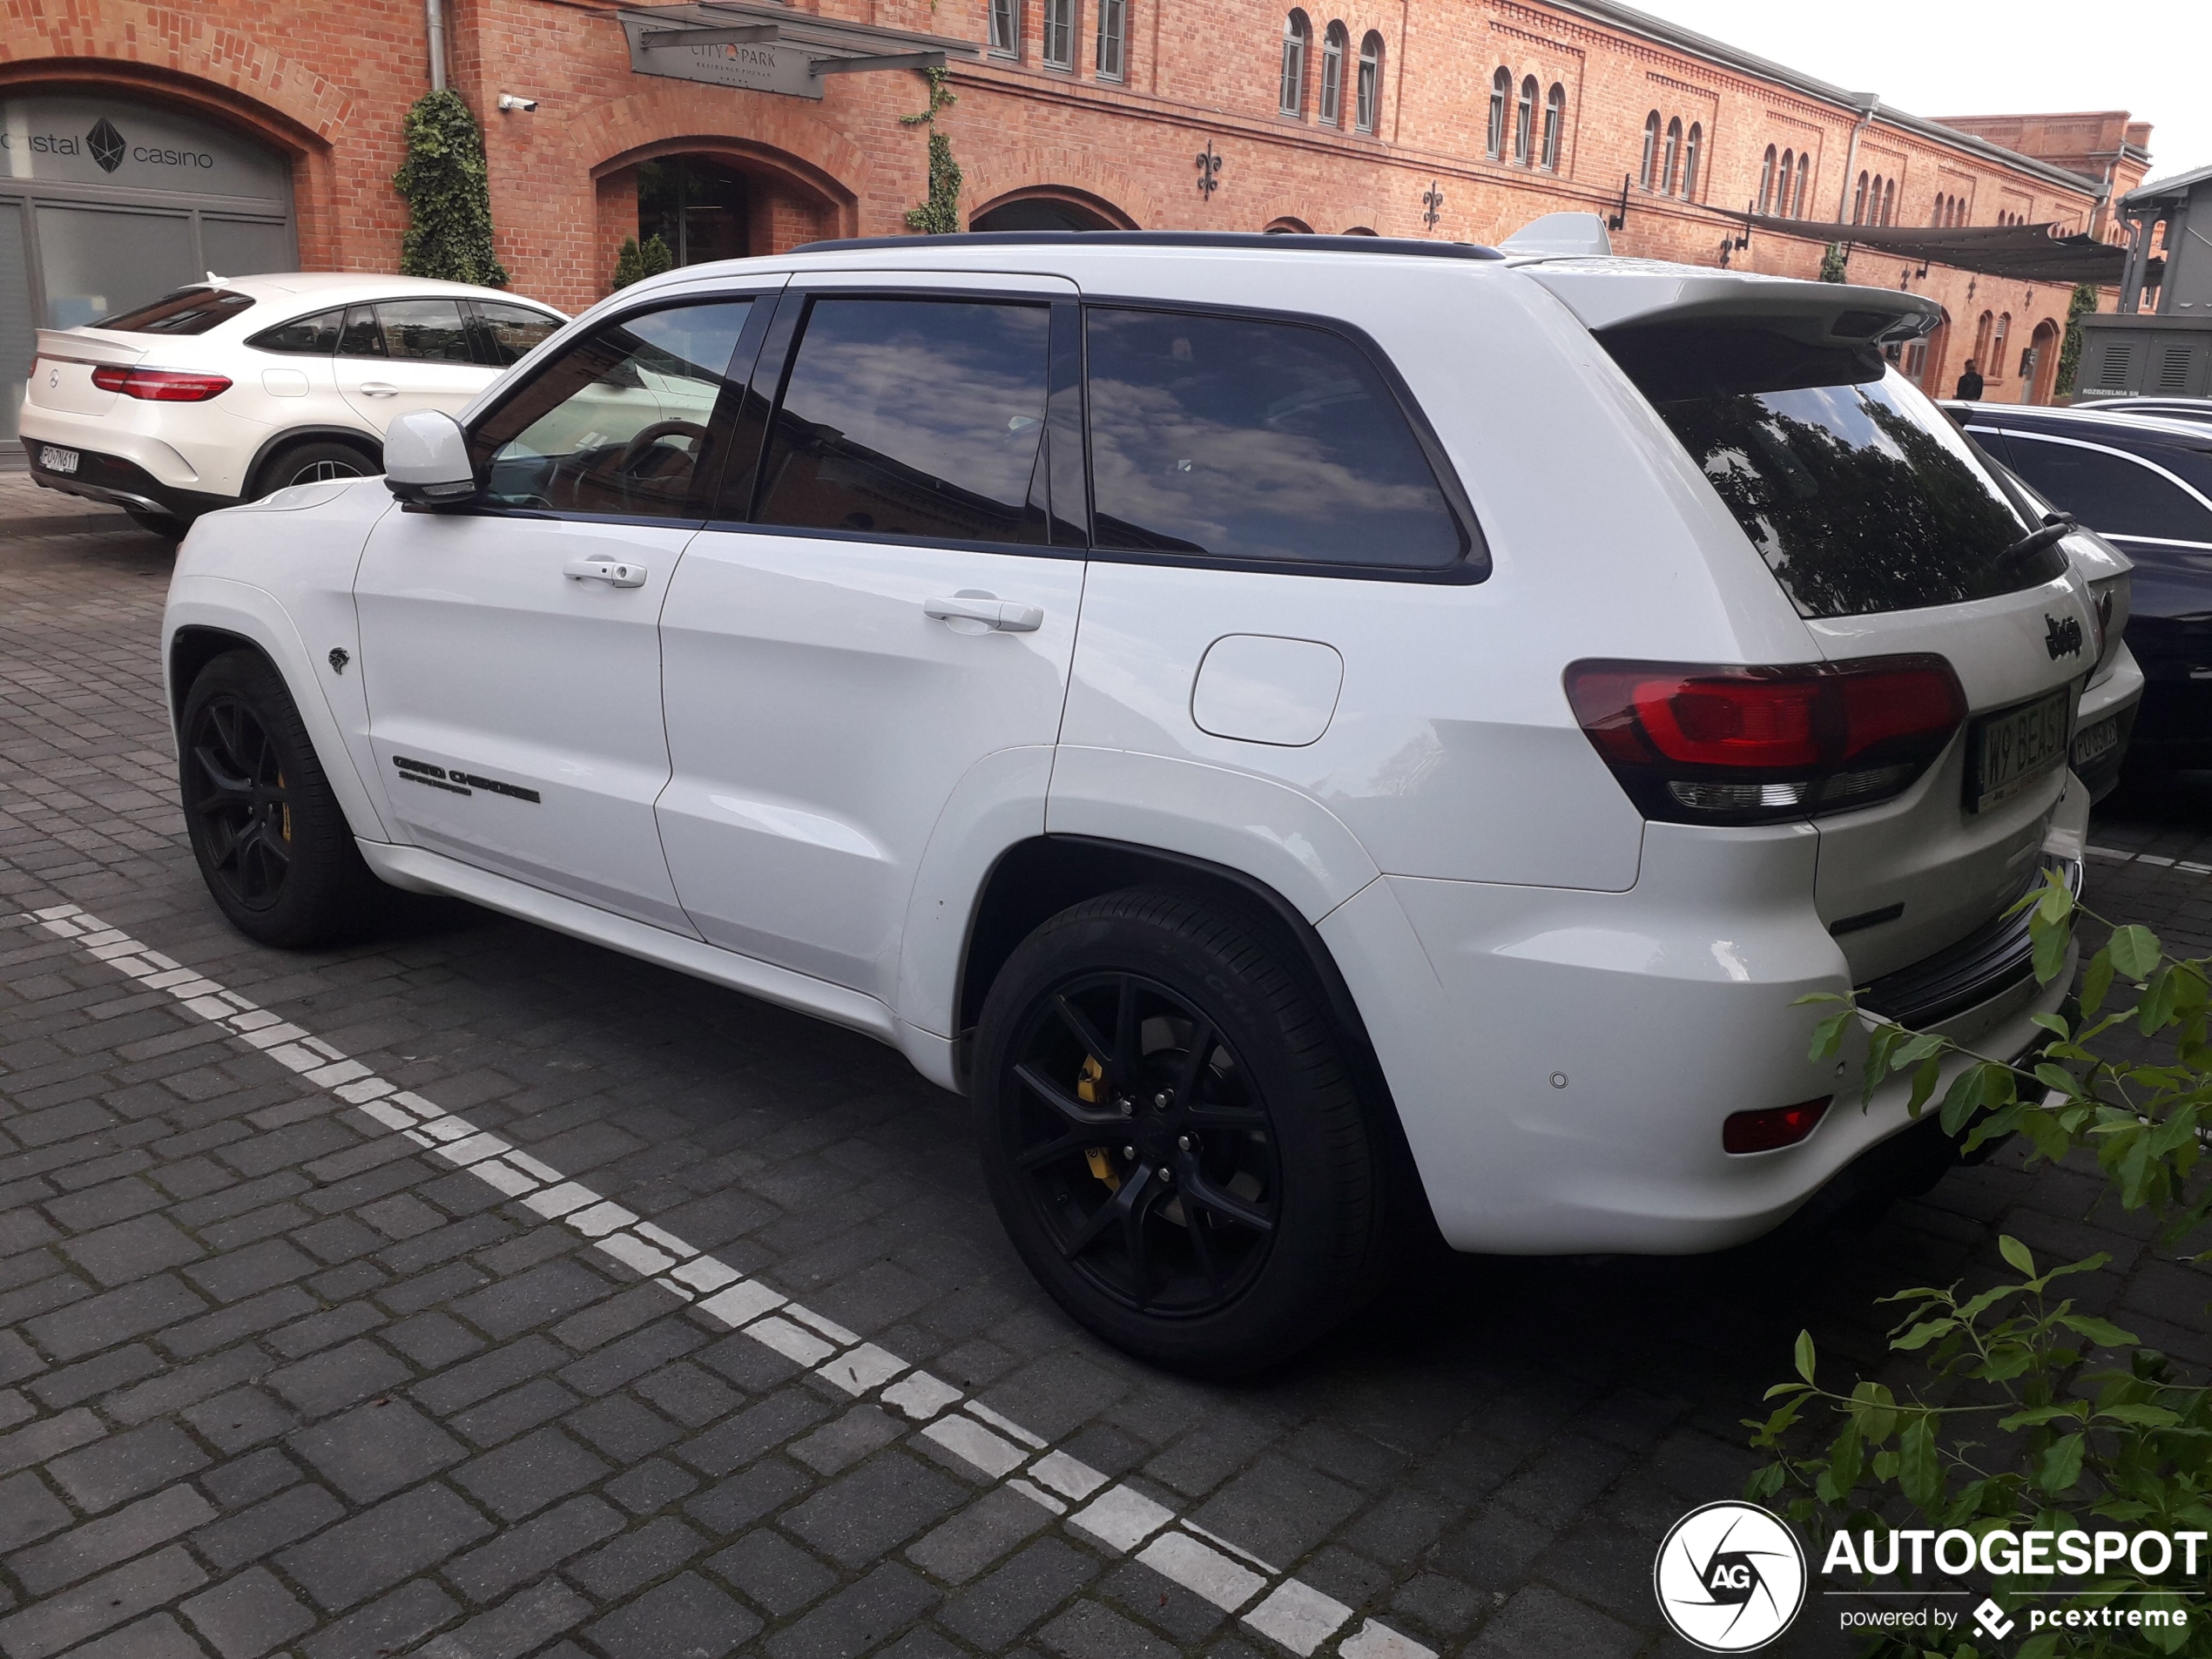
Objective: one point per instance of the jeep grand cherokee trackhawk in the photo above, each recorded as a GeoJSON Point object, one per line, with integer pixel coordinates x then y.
{"type": "Point", "coordinates": [1305, 732]}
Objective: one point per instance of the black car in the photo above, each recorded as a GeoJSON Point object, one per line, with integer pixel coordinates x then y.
{"type": "Point", "coordinates": [2146, 485]}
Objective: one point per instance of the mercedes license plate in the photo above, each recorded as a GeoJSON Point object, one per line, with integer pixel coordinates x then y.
{"type": "Point", "coordinates": [2096, 742]}
{"type": "Point", "coordinates": [2016, 747]}
{"type": "Point", "coordinates": [55, 459]}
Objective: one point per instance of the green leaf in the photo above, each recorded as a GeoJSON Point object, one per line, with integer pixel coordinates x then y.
{"type": "Point", "coordinates": [1919, 1473]}
{"type": "Point", "coordinates": [1923, 1333]}
{"type": "Point", "coordinates": [2141, 1416]}
{"type": "Point", "coordinates": [2016, 1254]}
{"type": "Point", "coordinates": [2059, 1467]}
{"type": "Point", "coordinates": [1925, 1077]}
{"type": "Point", "coordinates": [1780, 1389]}
{"type": "Point", "coordinates": [2036, 1416]}
{"type": "Point", "coordinates": [2096, 983]}
{"type": "Point", "coordinates": [2103, 1332]}
{"type": "Point", "coordinates": [2050, 1022]}
{"type": "Point", "coordinates": [1828, 1034]}
{"type": "Point", "coordinates": [2156, 1011]}
{"type": "Point", "coordinates": [1805, 1355]}
{"type": "Point", "coordinates": [2051, 941]}
{"type": "Point", "coordinates": [1846, 1461]}
{"type": "Point", "coordinates": [2042, 1645]}
{"type": "Point", "coordinates": [2134, 951]}
{"type": "Point", "coordinates": [2058, 1078]}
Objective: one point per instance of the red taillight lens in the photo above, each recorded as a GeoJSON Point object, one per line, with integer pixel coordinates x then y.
{"type": "Point", "coordinates": [1777, 1126]}
{"type": "Point", "coordinates": [160, 385]}
{"type": "Point", "coordinates": [1701, 745]}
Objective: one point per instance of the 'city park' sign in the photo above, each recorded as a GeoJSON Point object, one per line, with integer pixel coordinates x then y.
{"type": "Point", "coordinates": [768, 65]}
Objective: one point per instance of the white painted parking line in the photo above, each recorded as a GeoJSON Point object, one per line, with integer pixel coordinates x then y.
{"type": "Point", "coordinates": [1289, 1612]}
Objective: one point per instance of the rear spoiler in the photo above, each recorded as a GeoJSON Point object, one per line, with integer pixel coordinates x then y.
{"type": "Point", "coordinates": [1623, 293]}
{"type": "Point", "coordinates": [88, 346]}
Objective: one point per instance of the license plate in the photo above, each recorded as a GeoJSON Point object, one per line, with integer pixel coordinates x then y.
{"type": "Point", "coordinates": [2016, 748]}
{"type": "Point", "coordinates": [56, 460]}
{"type": "Point", "coordinates": [2096, 742]}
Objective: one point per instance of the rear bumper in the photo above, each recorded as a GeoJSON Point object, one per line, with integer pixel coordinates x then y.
{"type": "Point", "coordinates": [2117, 697]}
{"type": "Point", "coordinates": [1563, 1068]}
{"type": "Point", "coordinates": [119, 482]}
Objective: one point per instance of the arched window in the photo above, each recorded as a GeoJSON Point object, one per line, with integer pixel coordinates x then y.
{"type": "Point", "coordinates": [1787, 177]}
{"type": "Point", "coordinates": [1650, 171]}
{"type": "Point", "coordinates": [1889, 202]}
{"type": "Point", "coordinates": [1671, 156]}
{"type": "Point", "coordinates": [1936, 216]}
{"type": "Point", "coordinates": [1524, 122]}
{"type": "Point", "coordinates": [1297, 32]}
{"type": "Point", "coordinates": [1805, 184]}
{"type": "Point", "coordinates": [1336, 46]}
{"type": "Point", "coordinates": [1858, 201]}
{"type": "Point", "coordinates": [1500, 90]}
{"type": "Point", "coordinates": [1554, 118]}
{"type": "Point", "coordinates": [1694, 143]}
{"type": "Point", "coordinates": [1995, 368]}
{"type": "Point", "coordinates": [1981, 340]}
{"type": "Point", "coordinates": [1766, 181]}
{"type": "Point", "coordinates": [1369, 107]}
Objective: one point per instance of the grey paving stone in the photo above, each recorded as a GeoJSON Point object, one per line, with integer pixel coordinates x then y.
{"type": "Point", "coordinates": [116, 1369]}
{"type": "Point", "coordinates": [132, 1249]}
{"type": "Point", "coordinates": [319, 1386]}
{"type": "Point", "coordinates": [760, 1428]}
{"type": "Point", "coordinates": [102, 1321]}
{"type": "Point", "coordinates": [846, 1440]}
{"type": "Point", "coordinates": [996, 1609]}
{"type": "Point", "coordinates": [1087, 1630]}
{"type": "Point", "coordinates": [651, 1485]}
{"type": "Point", "coordinates": [247, 1614]}
{"type": "Point", "coordinates": [1538, 1623]}
{"type": "Point", "coordinates": [382, 1546]}
{"type": "Point", "coordinates": [623, 1429]}
{"type": "Point", "coordinates": [875, 1508]}
{"type": "Point", "coordinates": [433, 1339]}
{"type": "Point", "coordinates": [957, 1549]}
{"type": "Point", "coordinates": [242, 1481]}
{"type": "Point", "coordinates": [487, 1374]}
{"type": "Point", "coordinates": [654, 1550]}
{"type": "Point", "coordinates": [158, 1637]}
{"type": "Point", "coordinates": [523, 1552]}
{"type": "Point", "coordinates": [390, 1624]}
{"type": "Point", "coordinates": [527, 1620]}
{"type": "Point", "coordinates": [731, 1505]}
{"type": "Point", "coordinates": [511, 1306]}
{"type": "Point", "coordinates": [124, 1465]}
{"type": "Point", "coordinates": [63, 1620]}
{"type": "Point", "coordinates": [376, 1449]}
{"type": "Point", "coordinates": [771, 1571]}
{"type": "Point", "coordinates": [539, 1400]}
{"type": "Point", "coordinates": [529, 1473]}
{"type": "Point", "coordinates": [28, 1511]}
{"type": "Point", "coordinates": [240, 1418]}
{"type": "Point", "coordinates": [857, 1618]}
{"type": "Point", "coordinates": [685, 1618]}
{"type": "Point", "coordinates": [130, 1531]}
{"type": "Point", "coordinates": [268, 1526]}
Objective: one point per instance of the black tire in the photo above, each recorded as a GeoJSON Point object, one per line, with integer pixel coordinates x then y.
{"type": "Point", "coordinates": [1241, 1089]}
{"type": "Point", "coordinates": [166, 526]}
{"type": "Point", "coordinates": [273, 843]}
{"type": "Point", "coordinates": [312, 461]}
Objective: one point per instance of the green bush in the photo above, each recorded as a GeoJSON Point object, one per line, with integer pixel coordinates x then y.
{"type": "Point", "coordinates": [2032, 1412]}
{"type": "Point", "coordinates": [635, 260]}
{"type": "Point", "coordinates": [448, 199]}
{"type": "Point", "coordinates": [1834, 265]}
{"type": "Point", "coordinates": [939, 214]}
{"type": "Point", "coordinates": [2083, 301]}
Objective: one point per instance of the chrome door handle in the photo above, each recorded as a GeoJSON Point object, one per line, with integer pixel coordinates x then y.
{"type": "Point", "coordinates": [379, 388]}
{"type": "Point", "coordinates": [613, 572]}
{"type": "Point", "coordinates": [1001, 615]}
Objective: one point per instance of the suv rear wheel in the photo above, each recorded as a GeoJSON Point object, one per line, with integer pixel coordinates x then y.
{"type": "Point", "coordinates": [1171, 1136]}
{"type": "Point", "coordinates": [271, 839]}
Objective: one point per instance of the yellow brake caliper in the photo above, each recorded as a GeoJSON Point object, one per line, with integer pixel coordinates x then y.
{"type": "Point", "coordinates": [1100, 1160]}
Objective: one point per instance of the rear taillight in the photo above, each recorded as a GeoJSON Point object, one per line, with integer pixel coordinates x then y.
{"type": "Point", "coordinates": [1775, 1127]}
{"type": "Point", "coordinates": [1696, 745]}
{"type": "Point", "coordinates": [160, 385]}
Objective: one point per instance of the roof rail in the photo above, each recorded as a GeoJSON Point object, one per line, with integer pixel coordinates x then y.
{"type": "Point", "coordinates": [1294, 243]}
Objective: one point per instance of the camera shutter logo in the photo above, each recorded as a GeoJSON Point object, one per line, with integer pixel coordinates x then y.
{"type": "Point", "coordinates": [106, 143]}
{"type": "Point", "coordinates": [1730, 1577]}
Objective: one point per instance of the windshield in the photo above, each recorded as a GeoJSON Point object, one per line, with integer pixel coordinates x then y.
{"type": "Point", "coordinates": [1856, 489]}
{"type": "Point", "coordinates": [188, 311]}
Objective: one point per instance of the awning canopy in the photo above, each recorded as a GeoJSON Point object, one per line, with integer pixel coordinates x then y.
{"type": "Point", "coordinates": [2025, 253]}
{"type": "Point", "coordinates": [766, 48]}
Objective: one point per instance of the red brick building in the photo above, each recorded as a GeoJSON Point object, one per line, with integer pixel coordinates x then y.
{"type": "Point", "coordinates": [253, 132]}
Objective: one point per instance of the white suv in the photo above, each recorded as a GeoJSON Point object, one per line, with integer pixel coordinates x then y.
{"type": "Point", "coordinates": [1310, 733]}
{"type": "Point", "coordinates": [231, 388]}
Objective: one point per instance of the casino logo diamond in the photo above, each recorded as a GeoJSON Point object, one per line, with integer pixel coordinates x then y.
{"type": "Point", "coordinates": [106, 143]}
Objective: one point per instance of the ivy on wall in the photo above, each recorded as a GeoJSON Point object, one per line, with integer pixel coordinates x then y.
{"type": "Point", "coordinates": [1835, 264]}
{"type": "Point", "coordinates": [939, 214]}
{"type": "Point", "coordinates": [635, 260]}
{"type": "Point", "coordinates": [2083, 302]}
{"type": "Point", "coordinates": [449, 196]}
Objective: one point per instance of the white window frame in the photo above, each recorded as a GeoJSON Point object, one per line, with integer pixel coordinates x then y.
{"type": "Point", "coordinates": [1113, 40]}
{"type": "Point", "coordinates": [1061, 17]}
{"type": "Point", "coordinates": [1006, 28]}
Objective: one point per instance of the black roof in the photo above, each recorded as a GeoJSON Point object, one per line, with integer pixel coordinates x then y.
{"type": "Point", "coordinates": [2119, 428]}
{"type": "Point", "coordinates": [1300, 243]}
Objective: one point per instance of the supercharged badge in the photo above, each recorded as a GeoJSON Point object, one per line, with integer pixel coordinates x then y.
{"type": "Point", "coordinates": [457, 782]}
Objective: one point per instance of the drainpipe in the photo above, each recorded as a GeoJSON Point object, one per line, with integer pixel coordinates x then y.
{"type": "Point", "coordinates": [1851, 155]}
{"type": "Point", "coordinates": [434, 19]}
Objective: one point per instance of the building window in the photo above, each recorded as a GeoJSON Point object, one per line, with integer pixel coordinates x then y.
{"type": "Point", "coordinates": [1006, 28]}
{"type": "Point", "coordinates": [1859, 201]}
{"type": "Point", "coordinates": [1296, 33]}
{"type": "Point", "coordinates": [1370, 105]}
{"type": "Point", "coordinates": [1648, 173]}
{"type": "Point", "coordinates": [1672, 155]}
{"type": "Point", "coordinates": [1996, 370]}
{"type": "Point", "coordinates": [1766, 180]}
{"type": "Point", "coordinates": [1554, 118]}
{"type": "Point", "coordinates": [1333, 46]}
{"type": "Point", "coordinates": [1786, 177]}
{"type": "Point", "coordinates": [1500, 90]}
{"type": "Point", "coordinates": [1113, 39]}
{"type": "Point", "coordinates": [1889, 201]}
{"type": "Point", "coordinates": [1691, 148]}
{"type": "Point", "coordinates": [1060, 34]}
{"type": "Point", "coordinates": [1804, 184]}
{"type": "Point", "coordinates": [1524, 124]}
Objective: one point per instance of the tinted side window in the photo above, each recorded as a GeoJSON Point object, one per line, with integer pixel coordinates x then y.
{"type": "Point", "coordinates": [912, 417]}
{"type": "Point", "coordinates": [505, 334]}
{"type": "Point", "coordinates": [628, 420]}
{"type": "Point", "coordinates": [360, 337]}
{"type": "Point", "coordinates": [1253, 440]}
{"type": "Point", "coordinates": [315, 336]}
{"type": "Point", "coordinates": [2109, 492]}
{"type": "Point", "coordinates": [425, 330]}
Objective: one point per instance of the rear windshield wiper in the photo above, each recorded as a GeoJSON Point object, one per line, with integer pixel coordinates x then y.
{"type": "Point", "coordinates": [2056, 528]}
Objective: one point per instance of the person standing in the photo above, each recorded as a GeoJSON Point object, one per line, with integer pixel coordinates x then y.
{"type": "Point", "coordinates": [1969, 383]}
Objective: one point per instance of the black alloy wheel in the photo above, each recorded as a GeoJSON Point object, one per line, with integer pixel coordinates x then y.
{"type": "Point", "coordinates": [235, 789]}
{"type": "Point", "coordinates": [1147, 1148]}
{"type": "Point", "coordinates": [270, 837]}
{"type": "Point", "coordinates": [314, 463]}
{"type": "Point", "coordinates": [1172, 1131]}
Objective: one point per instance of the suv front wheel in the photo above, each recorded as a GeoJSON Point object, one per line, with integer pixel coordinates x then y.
{"type": "Point", "coordinates": [1172, 1135]}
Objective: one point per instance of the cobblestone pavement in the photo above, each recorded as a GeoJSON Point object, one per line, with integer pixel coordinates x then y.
{"type": "Point", "coordinates": [430, 1295]}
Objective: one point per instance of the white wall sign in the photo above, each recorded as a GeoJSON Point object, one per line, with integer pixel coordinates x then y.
{"type": "Point", "coordinates": [123, 144]}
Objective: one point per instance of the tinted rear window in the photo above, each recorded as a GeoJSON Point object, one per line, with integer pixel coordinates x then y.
{"type": "Point", "coordinates": [1858, 492]}
{"type": "Point", "coordinates": [188, 311]}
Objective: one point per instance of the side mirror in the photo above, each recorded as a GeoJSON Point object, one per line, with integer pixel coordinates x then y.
{"type": "Point", "coordinates": [426, 458]}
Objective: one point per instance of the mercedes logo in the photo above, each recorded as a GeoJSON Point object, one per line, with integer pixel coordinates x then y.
{"type": "Point", "coordinates": [106, 143]}
{"type": "Point", "coordinates": [1730, 1577]}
